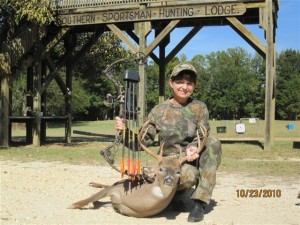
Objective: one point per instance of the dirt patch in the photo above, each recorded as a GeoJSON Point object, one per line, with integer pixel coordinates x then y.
{"type": "Point", "coordinates": [40, 192]}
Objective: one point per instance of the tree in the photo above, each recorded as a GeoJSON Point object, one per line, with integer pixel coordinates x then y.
{"type": "Point", "coordinates": [287, 85]}
{"type": "Point", "coordinates": [90, 68]}
{"type": "Point", "coordinates": [228, 82]}
{"type": "Point", "coordinates": [35, 11]}
{"type": "Point", "coordinates": [152, 88]}
{"type": "Point", "coordinates": [19, 96]}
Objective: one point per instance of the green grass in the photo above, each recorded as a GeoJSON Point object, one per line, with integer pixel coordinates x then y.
{"type": "Point", "coordinates": [283, 160]}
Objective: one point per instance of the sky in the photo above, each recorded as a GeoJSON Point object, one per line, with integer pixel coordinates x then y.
{"type": "Point", "coordinates": [218, 38]}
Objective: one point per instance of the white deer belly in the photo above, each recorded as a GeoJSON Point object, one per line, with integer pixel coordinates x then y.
{"type": "Point", "coordinates": [157, 192]}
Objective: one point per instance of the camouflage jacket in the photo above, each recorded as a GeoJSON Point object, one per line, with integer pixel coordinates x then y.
{"type": "Point", "coordinates": [176, 124]}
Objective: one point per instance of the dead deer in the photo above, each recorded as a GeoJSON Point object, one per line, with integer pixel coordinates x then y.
{"type": "Point", "coordinates": [141, 198]}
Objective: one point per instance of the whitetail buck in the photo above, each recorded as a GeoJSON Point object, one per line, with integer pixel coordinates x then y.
{"type": "Point", "coordinates": [141, 198]}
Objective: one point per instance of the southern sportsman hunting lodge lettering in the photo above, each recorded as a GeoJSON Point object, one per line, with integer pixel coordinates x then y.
{"type": "Point", "coordinates": [147, 14]}
{"type": "Point", "coordinates": [152, 14]}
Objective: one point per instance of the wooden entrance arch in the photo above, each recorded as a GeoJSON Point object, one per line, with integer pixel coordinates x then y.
{"type": "Point", "coordinates": [132, 21]}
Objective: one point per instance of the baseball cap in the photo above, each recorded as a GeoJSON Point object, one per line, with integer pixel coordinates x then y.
{"type": "Point", "coordinates": [183, 67]}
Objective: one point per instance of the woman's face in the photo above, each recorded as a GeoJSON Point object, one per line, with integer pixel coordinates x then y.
{"type": "Point", "coordinates": [183, 87]}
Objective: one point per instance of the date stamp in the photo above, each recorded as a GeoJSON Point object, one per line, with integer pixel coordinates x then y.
{"type": "Point", "coordinates": [258, 193]}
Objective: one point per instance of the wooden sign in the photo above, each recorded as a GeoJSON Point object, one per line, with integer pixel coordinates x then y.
{"type": "Point", "coordinates": [153, 13]}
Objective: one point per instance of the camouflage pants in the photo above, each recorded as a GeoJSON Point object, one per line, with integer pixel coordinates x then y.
{"type": "Point", "coordinates": [202, 173]}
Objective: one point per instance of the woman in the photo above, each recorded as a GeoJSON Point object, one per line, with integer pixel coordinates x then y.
{"type": "Point", "coordinates": [176, 121]}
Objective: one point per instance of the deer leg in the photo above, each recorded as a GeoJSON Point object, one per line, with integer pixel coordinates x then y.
{"type": "Point", "coordinates": [97, 185]}
{"type": "Point", "coordinates": [101, 194]}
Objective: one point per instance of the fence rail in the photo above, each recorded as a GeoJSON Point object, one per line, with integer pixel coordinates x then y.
{"type": "Point", "coordinates": [67, 4]}
{"type": "Point", "coordinates": [76, 4]}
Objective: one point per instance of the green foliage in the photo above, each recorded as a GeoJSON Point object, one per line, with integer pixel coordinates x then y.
{"type": "Point", "coordinates": [19, 96]}
{"type": "Point", "coordinates": [228, 83]}
{"type": "Point", "coordinates": [287, 85]}
{"type": "Point", "coordinates": [152, 85]}
{"type": "Point", "coordinates": [232, 84]}
{"type": "Point", "coordinates": [89, 69]}
{"type": "Point", "coordinates": [152, 88]}
{"type": "Point", "coordinates": [55, 99]}
{"type": "Point", "coordinates": [36, 11]}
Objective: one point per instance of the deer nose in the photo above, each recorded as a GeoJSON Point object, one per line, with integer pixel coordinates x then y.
{"type": "Point", "coordinates": [169, 181]}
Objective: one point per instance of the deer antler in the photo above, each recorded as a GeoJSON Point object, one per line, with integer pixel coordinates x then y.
{"type": "Point", "coordinates": [200, 145]}
{"type": "Point", "coordinates": [142, 136]}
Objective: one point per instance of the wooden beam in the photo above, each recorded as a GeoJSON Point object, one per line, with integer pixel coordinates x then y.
{"type": "Point", "coordinates": [143, 75]}
{"type": "Point", "coordinates": [249, 37]}
{"type": "Point", "coordinates": [134, 49]}
{"type": "Point", "coordinates": [167, 30]}
{"type": "Point", "coordinates": [87, 46]}
{"type": "Point", "coordinates": [37, 104]}
{"type": "Point", "coordinates": [254, 5]}
{"type": "Point", "coordinates": [136, 39]}
{"type": "Point", "coordinates": [162, 71]}
{"type": "Point", "coordinates": [61, 34]}
{"type": "Point", "coordinates": [270, 77]}
{"type": "Point", "coordinates": [43, 50]}
{"type": "Point", "coordinates": [53, 68]}
{"type": "Point", "coordinates": [44, 104]}
{"type": "Point", "coordinates": [64, 59]}
{"type": "Point", "coordinates": [4, 111]}
{"type": "Point", "coordinates": [182, 43]}
{"type": "Point", "coordinates": [262, 18]}
{"type": "Point", "coordinates": [153, 13]}
{"type": "Point", "coordinates": [29, 103]}
{"type": "Point", "coordinates": [70, 44]}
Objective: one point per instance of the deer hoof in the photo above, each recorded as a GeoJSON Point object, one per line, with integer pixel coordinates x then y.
{"type": "Point", "coordinates": [74, 206]}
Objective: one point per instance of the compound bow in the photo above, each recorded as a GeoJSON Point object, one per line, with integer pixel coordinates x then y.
{"type": "Point", "coordinates": [128, 110]}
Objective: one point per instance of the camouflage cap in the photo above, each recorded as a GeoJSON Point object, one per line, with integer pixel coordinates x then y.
{"type": "Point", "coordinates": [183, 67]}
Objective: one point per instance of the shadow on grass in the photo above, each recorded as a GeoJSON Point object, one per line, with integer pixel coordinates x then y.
{"type": "Point", "coordinates": [251, 142]}
{"type": "Point", "coordinates": [21, 140]}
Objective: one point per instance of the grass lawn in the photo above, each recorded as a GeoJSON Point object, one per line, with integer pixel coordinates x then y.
{"type": "Point", "coordinates": [283, 160]}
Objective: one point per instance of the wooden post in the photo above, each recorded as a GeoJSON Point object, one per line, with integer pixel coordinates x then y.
{"type": "Point", "coordinates": [37, 104]}
{"type": "Point", "coordinates": [43, 104]}
{"type": "Point", "coordinates": [162, 68]}
{"type": "Point", "coordinates": [270, 73]}
{"type": "Point", "coordinates": [70, 44]}
{"type": "Point", "coordinates": [68, 99]}
{"type": "Point", "coordinates": [162, 80]}
{"type": "Point", "coordinates": [273, 95]}
{"type": "Point", "coordinates": [29, 105]}
{"type": "Point", "coordinates": [142, 72]}
{"type": "Point", "coordinates": [143, 76]}
{"type": "Point", "coordinates": [4, 112]}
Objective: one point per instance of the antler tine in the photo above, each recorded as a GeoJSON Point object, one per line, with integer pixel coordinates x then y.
{"type": "Point", "coordinates": [200, 145]}
{"type": "Point", "coordinates": [142, 136]}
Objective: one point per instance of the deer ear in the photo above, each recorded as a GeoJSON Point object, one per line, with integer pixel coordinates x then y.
{"type": "Point", "coordinates": [149, 172]}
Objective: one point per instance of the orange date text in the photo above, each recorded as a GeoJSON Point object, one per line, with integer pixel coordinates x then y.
{"type": "Point", "coordinates": [258, 193]}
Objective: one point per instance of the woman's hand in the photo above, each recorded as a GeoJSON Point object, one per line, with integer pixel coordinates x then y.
{"type": "Point", "coordinates": [191, 153]}
{"type": "Point", "coordinates": [119, 124]}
